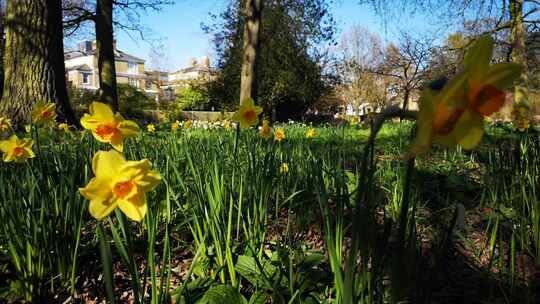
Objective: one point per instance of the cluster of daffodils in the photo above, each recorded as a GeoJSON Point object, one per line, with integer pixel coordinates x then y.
{"type": "Point", "coordinates": [15, 149]}
{"type": "Point", "coordinates": [117, 182]}
{"type": "Point", "coordinates": [202, 124]}
{"type": "Point", "coordinates": [455, 114]}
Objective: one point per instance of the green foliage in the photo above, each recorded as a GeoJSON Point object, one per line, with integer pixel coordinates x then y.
{"type": "Point", "coordinates": [237, 230]}
{"type": "Point", "coordinates": [132, 102]}
{"type": "Point", "coordinates": [290, 78]}
{"type": "Point", "coordinates": [193, 98]}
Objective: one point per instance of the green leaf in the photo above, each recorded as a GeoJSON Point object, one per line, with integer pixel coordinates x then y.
{"type": "Point", "coordinates": [222, 294]}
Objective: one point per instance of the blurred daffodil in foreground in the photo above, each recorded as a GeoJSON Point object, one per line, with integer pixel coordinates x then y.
{"type": "Point", "coordinates": [248, 114]}
{"type": "Point", "coordinates": [265, 131]}
{"type": "Point", "coordinates": [15, 149]}
{"type": "Point", "coordinates": [119, 183]}
{"type": "Point", "coordinates": [5, 124]}
{"type": "Point", "coordinates": [108, 127]}
{"type": "Point", "coordinates": [44, 113]}
{"type": "Point", "coordinates": [310, 133]}
{"type": "Point", "coordinates": [455, 114]}
{"type": "Point", "coordinates": [151, 128]}
{"type": "Point", "coordinates": [279, 135]}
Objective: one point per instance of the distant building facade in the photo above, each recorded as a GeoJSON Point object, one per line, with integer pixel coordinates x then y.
{"type": "Point", "coordinates": [82, 72]}
{"type": "Point", "coordinates": [82, 67]}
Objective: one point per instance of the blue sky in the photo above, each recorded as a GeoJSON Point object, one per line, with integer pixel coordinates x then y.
{"type": "Point", "coordinates": [179, 28]}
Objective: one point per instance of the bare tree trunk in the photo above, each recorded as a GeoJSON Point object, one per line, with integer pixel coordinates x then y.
{"type": "Point", "coordinates": [406, 97]}
{"type": "Point", "coordinates": [105, 49]}
{"type": "Point", "coordinates": [252, 28]}
{"type": "Point", "coordinates": [518, 48]}
{"type": "Point", "coordinates": [34, 60]}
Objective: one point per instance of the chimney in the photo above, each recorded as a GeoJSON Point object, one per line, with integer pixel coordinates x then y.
{"type": "Point", "coordinates": [192, 62]}
{"type": "Point", "coordinates": [206, 62]}
{"type": "Point", "coordinates": [114, 44]}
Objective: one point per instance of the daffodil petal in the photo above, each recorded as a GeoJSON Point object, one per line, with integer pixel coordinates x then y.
{"type": "Point", "coordinates": [129, 128]}
{"type": "Point", "coordinates": [101, 111]}
{"type": "Point", "coordinates": [100, 209]}
{"type": "Point", "coordinates": [117, 142]}
{"type": "Point", "coordinates": [135, 211]}
{"type": "Point", "coordinates": [106, 164]}
{"type": "Point", "coordinates": [98, 190]}
{"type": "Point", "coordinates": [478, 57]}
{"type": "Point", "coordinates": [90, 122]}
{"type": "Point", "coordinates": [503, 75]}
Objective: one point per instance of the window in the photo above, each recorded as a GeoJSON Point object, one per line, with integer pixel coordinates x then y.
{"type": "Point", "coordinates": [132, 67]}
{"type": "Point", "coordinates": [86, 78]}
{"type": "Point", "coordinates": [133, 82]}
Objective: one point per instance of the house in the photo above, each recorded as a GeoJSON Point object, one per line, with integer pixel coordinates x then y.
{"type": "Point", "coordinates": [82, 67]}
{"type": "Point", "coordinates": [195, 71]}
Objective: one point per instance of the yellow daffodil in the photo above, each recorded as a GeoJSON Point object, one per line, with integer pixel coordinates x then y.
{"type": "Point", "coordinates": [227, 125]}
{"type": "Point", "coordinates": [279, 135]}
{"type": "Point", "coordinates": [187, 123]}
{"type": "Point", "coordinates": [15, 149]}
{"type": "Point", "coordinates": [119, 183]}
{"type": "Point", "coordinates": [44, 113]}
{"type": "Point", "coordinates": [28, 128]}
{"type": "Point", "coordinates": [310, 133]}
{"type": "Point", "coordinates": [108, 127]}
{"type": "Point", "coordinates": [265, 131]}
{"type": "Point", "coordinates": [5, 124]}
{"type": "Point", "coordinates": [247, 114]}
{"type": "Point", "coordinates": [151, 128]}
{"type": "Point", "coordinates": [175, 126]}
{"type": "Point", "coordinates": [455, 114]}
{"type": "Point", "coordinates": [284, 168]}
{"type": "Point", "coordinates": [64, 127]}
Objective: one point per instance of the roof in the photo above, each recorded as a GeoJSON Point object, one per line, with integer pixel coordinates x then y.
{"type": "Point", "coordinates": [196, 68]}
{"type": "Point", "coordinates": [81, 67]}
{"type": "Point", "coordinates": [118, 56]}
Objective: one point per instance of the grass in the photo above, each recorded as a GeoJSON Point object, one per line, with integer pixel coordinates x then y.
{"type": "Point", "coordinates": [227, 225]}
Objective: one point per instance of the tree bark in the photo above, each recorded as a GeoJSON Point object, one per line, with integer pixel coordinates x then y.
{"type": "Point", "coordinates": [518, 35]}
{"type": "Point", "coordinates": [248, 79]}
{"type": "Point", "coordinates": [34, 60]}
{"type": "Point", "coordinates": [105, 49]}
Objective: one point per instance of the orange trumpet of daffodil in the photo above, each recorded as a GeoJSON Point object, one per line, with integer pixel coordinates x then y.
{"type": "Point", "coordinates": [279, 135]}
{"type": "Point", "coordinates": [119, 183]}
{"type": "Point", "coordinates": [108, 127]}
{"type": "Point", "coordinates": [247, 114]}
{"type": "Point", "coordinates": [455, 114]}
{"type": "Point", "coordinates": [15, 149]}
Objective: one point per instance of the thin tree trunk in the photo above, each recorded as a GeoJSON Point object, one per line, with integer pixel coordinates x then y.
{"type": "Point", "coordinates": [406, 97]}
{"type": "Point", "coordinates": [252, 28]}
{"type": "Point", "coordinates": [2, 44]}
{"type": "Point", "coordinates": [34, 60]}
{"type": "Point", "coordinates": [105, 49]}
{"type": "Point", "coordinates": [518, 48]}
